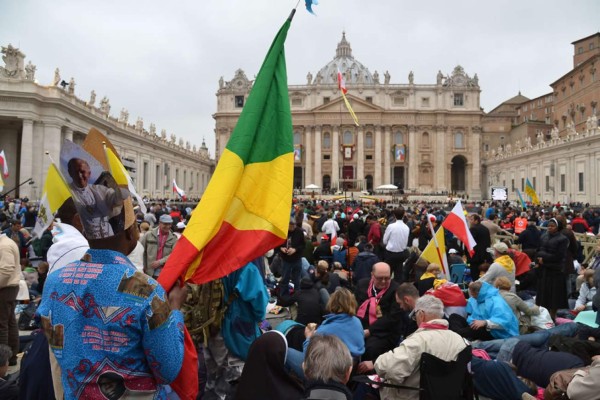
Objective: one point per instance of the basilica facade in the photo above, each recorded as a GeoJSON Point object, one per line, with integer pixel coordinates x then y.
{"type": "Point", "coordinates": [422, 137]}
{"type": "Point", "coordinates": [35, 119]}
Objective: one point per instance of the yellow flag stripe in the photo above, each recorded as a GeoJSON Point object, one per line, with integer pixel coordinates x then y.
{"type": "Point", "coordinates": [248, 200]}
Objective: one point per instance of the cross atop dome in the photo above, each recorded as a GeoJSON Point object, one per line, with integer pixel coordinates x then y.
{"type": "Point", "coordinates": [343, 48]}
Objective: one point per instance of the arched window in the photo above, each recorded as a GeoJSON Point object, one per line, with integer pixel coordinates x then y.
{"type": "Point", "coordinates": [425, 138]}
{"type": "Point", "coordinates": [348, 138]}
{"type": "Point", "coordinates": [398, 138]}
{"type": "Point", "coordinates": [326, 140]}
{"type": "Point", "coordinates": [369, 140]}
{"type": "Point", "coordinates": [459, 142]}
{"type": "Point", "coordinates": [297, 138]}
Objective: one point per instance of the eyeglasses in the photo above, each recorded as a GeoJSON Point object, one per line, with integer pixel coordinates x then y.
{"type": "Point", "coordinates": [414, 315]}
{"type": "Point", "coordinates": [382, 278]}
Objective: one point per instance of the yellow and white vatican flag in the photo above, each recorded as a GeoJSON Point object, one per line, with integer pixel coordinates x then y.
{"type": "Point", "coordinates": [55, 193]}
{"type": "Point", "coordinates": [435, 252]}
{"type": "Point", "coordinates": [1, 184]}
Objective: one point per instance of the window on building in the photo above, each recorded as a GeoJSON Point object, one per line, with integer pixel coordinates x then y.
{"type": "Point", "coordinates": [297, 138]}
{"type": "Point", "coordinates": [369, 157]}
{"type": "Point", "coordinates": [326, 140]}
{"type": "Point", "coordinates": [185, 186]}
{"type": "Point", "coordinates": [325, 100]}
{"type": "Point", "coordinates": [398, 138]}
{"type": "Point", "coordinates": [239, 101]}
{"type": "Point", "coordinates": [547, 183]}
{"type": "Point", "coordinates": [512, 185]}
{"type": "Point", "coordinates": [459, 99]}
{"type": "Point", "coordinates": [369, 140]}
{"type": "Point", "coordinates": [592, 46]}
{"type": "Point", "coordinates": [459, 142]}
{"type": "Point", "coordinates": [145, 175]}
{"type": "Point", "coordinates": [297, 102]}
{"type": "Point", "coordinates": [486, 147]}
{"type": "Point", "coordinates": [157, 178]}
{"type": "Point", "coordinates": [580, 50]}
{"type": "Point", "coordinates": [399, 101]}
{"type": "Point", "coordinates": [533, 182]}
{"type": "Point", "coordinates": [425, 102]}
{"type": "Point", "coordinates": [326, 157]}
{"type": "Point", "coordinates": [369, 99]}
{"type": "Point", "coordinates": [425, 139]}
{"type": "Point", "coordinates": [522, 184]}
{"type": "Point", "coordinates": [348, 138]}
{"type": "Point", "coordinates": [563, 182]}
{"type": "Point", "coordinates": [580, 181]}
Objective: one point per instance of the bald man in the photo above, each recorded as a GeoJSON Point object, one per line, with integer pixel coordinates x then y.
{"type": "Point", "coordinates": [382, 319]}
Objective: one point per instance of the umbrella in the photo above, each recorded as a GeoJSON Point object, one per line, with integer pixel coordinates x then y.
{"type": "Point", "coordinates": [312, 186]}
{"type": "Point", "coordinates": [387, 187]}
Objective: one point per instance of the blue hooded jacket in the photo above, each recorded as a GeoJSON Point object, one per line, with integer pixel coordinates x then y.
{"type": "Point", "coordinates": [489, 305]}
{"type": "Point", "coordinates": [347, 328]}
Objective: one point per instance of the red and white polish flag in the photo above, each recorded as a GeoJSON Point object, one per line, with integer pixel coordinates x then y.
{"type": "Point", "coordinates": [456, 223]}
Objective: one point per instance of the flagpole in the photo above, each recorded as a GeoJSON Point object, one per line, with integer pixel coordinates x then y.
{"type": "Point", "coordinates": [58, 169]}
{"type": "Point", "coordinates": [437, 246]}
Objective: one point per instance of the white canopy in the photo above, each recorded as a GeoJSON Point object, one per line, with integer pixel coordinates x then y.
{"type": "Point", "coordinates": [312, 186]}
{"type": "Point", "coordinates": [387, 187]}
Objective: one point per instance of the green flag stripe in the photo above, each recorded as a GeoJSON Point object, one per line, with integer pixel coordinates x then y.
{"type": "Point", "coordinates": [264, 129]}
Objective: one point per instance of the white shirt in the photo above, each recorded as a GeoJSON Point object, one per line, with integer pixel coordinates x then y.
{"type": "Point", "coordinates": [330, 227]}
{"type": "Point", "coordinates": [395, 237]}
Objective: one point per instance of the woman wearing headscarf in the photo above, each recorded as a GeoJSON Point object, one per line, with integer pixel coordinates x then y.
{"type": "Point", "coordinates": [551, 287]}
{"type": "Point", "coordinates": [264, 375]}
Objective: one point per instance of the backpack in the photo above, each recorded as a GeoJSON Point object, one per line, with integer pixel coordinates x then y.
{"type": "Point", "coordinates": [204, 309]}
{"type": "Point", "coordinates": [559, 381]}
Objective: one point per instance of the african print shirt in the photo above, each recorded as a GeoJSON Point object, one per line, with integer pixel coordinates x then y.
{"type": "Point", "coordinates": [111, 329]}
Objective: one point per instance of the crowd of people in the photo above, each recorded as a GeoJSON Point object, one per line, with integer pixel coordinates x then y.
{"type": "Point", "coordinates": [345, 299]}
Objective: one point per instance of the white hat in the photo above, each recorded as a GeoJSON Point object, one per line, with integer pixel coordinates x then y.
{"type": "Point", "coordinates": [181, 225]}
{"type": "Point", "coordinates": [452, 251]}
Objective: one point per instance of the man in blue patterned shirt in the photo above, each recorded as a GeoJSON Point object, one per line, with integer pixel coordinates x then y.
{"type": "Point", "coordinates": [114, 331]}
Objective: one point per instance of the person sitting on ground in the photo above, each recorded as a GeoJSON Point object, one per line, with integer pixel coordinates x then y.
{"type": "Point", "coordinates": [586, 292]}
{"type": "Point", "coordinates": [308, 300]}
{"type": "Point", "coordinates": [363, 263]}
{"type": "Point", "coordinates": [323, 250]}
{"type": "Point", "coordinates": [327, 367]}
{"type": "Point", "coordinates": [522, 310]}
{"type": "Point", "coordinates": [431, 279]}
{"type": "Point", "coordinates": [264, 375]}
{"type": "Point", "coordinates": [9, 389]}
{"type": "Point", "coordinates": [401, 365]}
{"type": "Point", "coordinates": [382, 319]}
{"type": "Point", "coordinates": [503, 265]}
{"type": "Point", "coordinates": [490, 317]}
{"type": "Point", "coordinates": [454, 257]}
{"type": "Point", "coordinates": [341, 322]}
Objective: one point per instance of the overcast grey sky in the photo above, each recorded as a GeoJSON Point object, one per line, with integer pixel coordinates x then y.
{"type": "Point", "coordinates": [162, 59]}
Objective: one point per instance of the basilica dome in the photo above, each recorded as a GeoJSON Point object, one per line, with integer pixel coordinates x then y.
{"type": "Point", "coordinates": [354, 72]}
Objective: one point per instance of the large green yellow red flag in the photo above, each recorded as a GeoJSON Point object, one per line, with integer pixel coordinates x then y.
{"type": "Point", "coordinates": [245, 209]}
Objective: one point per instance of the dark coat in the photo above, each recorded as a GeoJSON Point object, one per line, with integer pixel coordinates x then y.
{"type": "Point", "coordinates": [481, 234]}
{"type": "Point", "coordinates": [539, 364]}
{"type": "Point", "coordinates": [355, 229]}
{"type": "Point", "coordinates": [530, 238]}
{"type": "Point", "coordinates": [295, 239]}
{"type": "Point", "coordinates": [308, 300]}
{"type": "Point", "coordinates": [551, 278]}
{"type": "Point", "coordinates": [363, 264]}
{"type": "Point", "coordinates": [385, 333]}
{"type": "Point", "coordinates": [329, 390]}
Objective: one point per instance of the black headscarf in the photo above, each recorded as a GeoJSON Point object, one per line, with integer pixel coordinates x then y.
{"type": "Point", "coordinates": [264, 376]}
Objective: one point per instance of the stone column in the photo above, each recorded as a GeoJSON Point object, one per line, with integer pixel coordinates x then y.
{"type": "Point", "coordinates": [439, 166]}
{"type": "Point", "coordinates": [308, 171]}
{"type": "Point", "coordinates": [27, 159]}
{"type": "Point", "coordinates": [335, 157]}
{"type": "Point", "coordinates": [52, 143]}
{"type": "Point", "coordinates": [360, 156]}
{"type": "Point", "coordinates": [474, 189]}
{"type": "Point", "coordinates": [377, 176]}
{"type": "Point", "coordinates": [69, 134]}
{"type": "Point", "coordinates": [318, 179]}
{"type": "Point", "coordinates": [387, 147]}
{"type": "Point", "coordinates": [413, 162]}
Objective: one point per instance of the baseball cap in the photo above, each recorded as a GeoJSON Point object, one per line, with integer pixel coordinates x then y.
{"type": "Point", "coordinates": [452, 251]}
{"type": "Point", "coordinates": [165, 219]}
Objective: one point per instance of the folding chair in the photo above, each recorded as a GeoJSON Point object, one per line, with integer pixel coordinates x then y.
{"type": "Point", "coordinates": [457, 273]}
